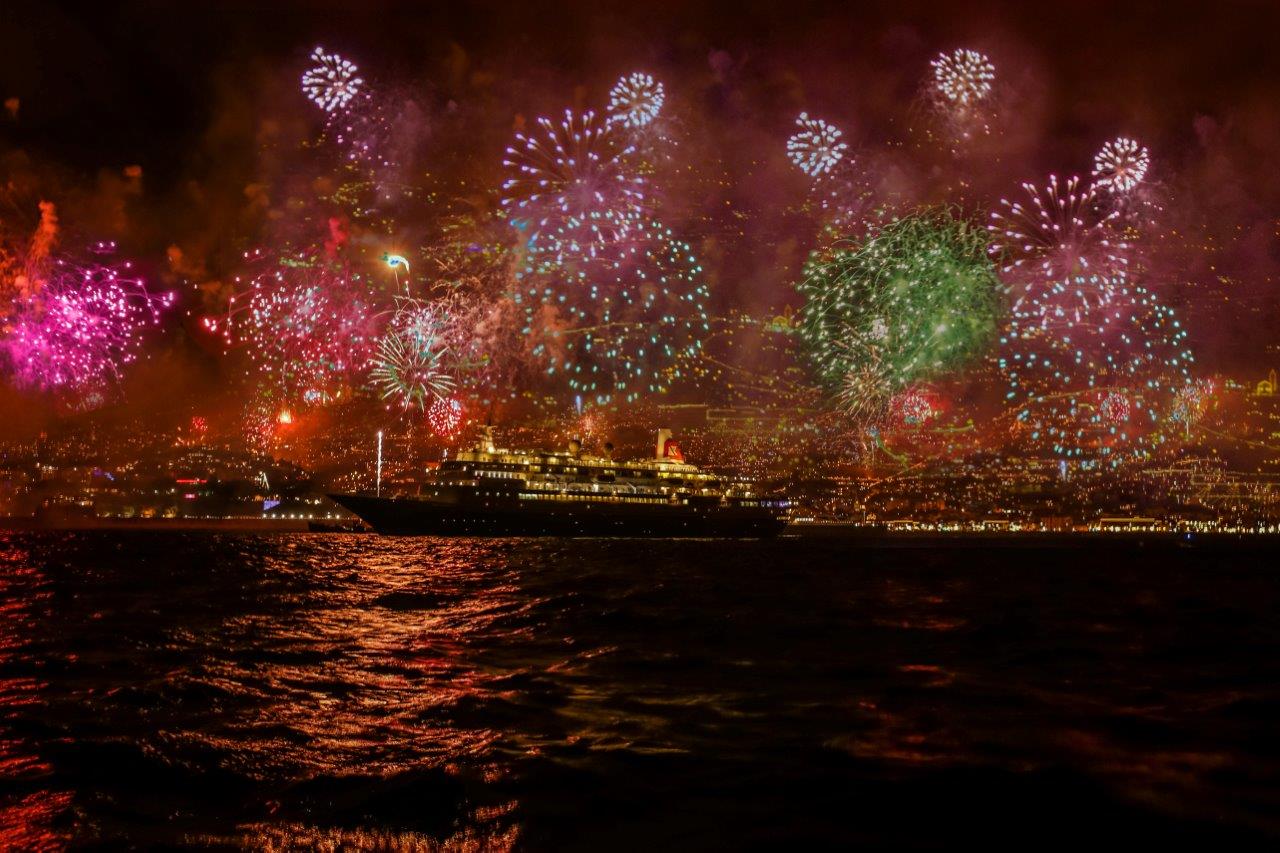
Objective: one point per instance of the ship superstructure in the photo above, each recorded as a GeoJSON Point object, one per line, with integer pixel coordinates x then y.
{"type": "Point", "coordinates": [489, 490]}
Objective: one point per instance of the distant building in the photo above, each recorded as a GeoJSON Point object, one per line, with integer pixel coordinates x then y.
{"type": "Point", "coordinates": [1126, 523]}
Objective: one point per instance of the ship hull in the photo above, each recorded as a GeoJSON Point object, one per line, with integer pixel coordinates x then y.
{"type": "Point", "coordinates": [415, 517]}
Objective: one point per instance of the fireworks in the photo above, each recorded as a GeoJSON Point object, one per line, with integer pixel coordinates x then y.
{"type": "Point", "coordinates": [914, 300]}
{"type": "Point", "coordinates": [445, 416]}
{"type": "Point", "coordinates": [817, 148]}
{"type": "Point", "coordinates": [411, 365]}
{"type": "Point", "coordinates": [581, 238]}
{"type": "Point", "coordinates": [1121, 165]}
{"type": "Point", "coordinates": [1089, 379]}
{"type": "Point", "coordinates": [1115, 408]}
{"type": "Point", "coordinates": [332, 82]}
{"type": "Point", "coordinates": [81, 328]}
{"type": "Point", "coordinates": [635, 100]}
{"type": "Point", "coordinates": [309, 327]}
{"type": "Point", "coordinates": [963, 78]}
{"type": "Point", "coordinates": [912, 407]}
{"type": "Point", "coordinates": [861, 393]}
{"type": "Point", "coordinates": [1191, 402]}
{"type": "Point", "coordinates": [23, 259]}
{"type": "Point", "coordinates": [410, 370]}
{"type": "Point", "coordinates": [571, 171]}
{"type": "Point", "coordinates": [618, 323]}
{"type": "Point", "coordinates": [961, 95]}
{"type": "Point", "coordinates": [1062, 235]}
{"type": "Point", "coordinates": [373, 127]}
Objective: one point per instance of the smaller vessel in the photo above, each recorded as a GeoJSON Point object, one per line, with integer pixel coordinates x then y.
{"type": "Point", "coordinates": [490, 491]}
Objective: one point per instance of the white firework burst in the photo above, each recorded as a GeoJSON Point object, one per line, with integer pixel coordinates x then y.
{"type": "Point", "coordinates": [1121, 165]}
{"type": "Point", "coordinates": [817, 148]}
{"type": "Point", "coordinates": [963, 77]}
{"type": "Point", "coordinates": [635, 100]}
{"type": "Point", "coordinates": [332, 82]}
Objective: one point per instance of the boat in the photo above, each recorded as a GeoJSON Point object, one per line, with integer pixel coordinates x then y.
{"type": "Point", "coordinates": [490, 491]}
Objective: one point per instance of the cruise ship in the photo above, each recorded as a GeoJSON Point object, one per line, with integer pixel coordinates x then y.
{"type": "Point", "coordinates": [489, 491]}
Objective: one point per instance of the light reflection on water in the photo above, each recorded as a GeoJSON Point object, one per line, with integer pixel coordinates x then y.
{"type": "Point", "coordinates": [357, 692]}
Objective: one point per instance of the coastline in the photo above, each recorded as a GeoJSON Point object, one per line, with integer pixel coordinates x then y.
{"type": "Point", "coordinates": [218, 525]}
{"type": "Point", "coordinates": [854, 534]}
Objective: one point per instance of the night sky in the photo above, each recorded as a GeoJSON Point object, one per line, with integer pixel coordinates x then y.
{"type": "Point", "coordinates": [114, 82]}
{"type": "Point", "coordinates": [203, 97]}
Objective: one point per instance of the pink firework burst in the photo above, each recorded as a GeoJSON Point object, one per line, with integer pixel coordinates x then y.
{"type": "Point", "coordinates": [80, 330]}
{"type": "Point", "coordinates": [1061, 233]}
{"type": "Point", "coordinates": [1115, 408]}
{"type": "Point", "coordinates": [445, 416]}
{"type": "Point", "coordinates": [309, 328]}
{"type": "Point", "coordinates": [912, 407]}
{"type": "Point", "coordinates": [573, 170]}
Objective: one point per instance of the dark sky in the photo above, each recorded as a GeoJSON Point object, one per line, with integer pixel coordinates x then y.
{"type": "Point", "coordinates": [102, 82]}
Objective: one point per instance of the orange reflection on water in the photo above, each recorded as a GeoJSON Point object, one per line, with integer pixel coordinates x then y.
{"type": "Point", "coordinates": [277, 837]}
{"type": "Point", "coordinates": [900, 738]}
{"type": "Point", "coordinates": [27, 819]}
{"type": "Point", "coordinates": [26, 823]}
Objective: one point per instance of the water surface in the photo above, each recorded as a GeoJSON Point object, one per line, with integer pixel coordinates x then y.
{"type": "Point", "coordinates": [299, 690]}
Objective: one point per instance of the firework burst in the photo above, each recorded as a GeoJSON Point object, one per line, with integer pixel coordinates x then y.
{"type": "Point", "coordinates": [914, 300]}
{"type": "Point", "coordinates": [961, 97]}
{"type": "Point", "coordinates": [81, 328]}
{"type": "Point", "coordinates": [332, 82]}
{"type": "Point", "coordinates": [619, 323]}
{"type": "Point", "coordinates": [817, 148]}
{"type": "Point", "coordinates": [309, 327]}
{"type": "Point", "coordinates": [412, 364]}
{"type": "Point", "coordinates": [1121, 165]}
{"type": "Point", "coordinates": [581, 237]}
{"type": "Point", "coordinates": [445, 416]}
{"type": "Point", "coordinates": [571, 171]}
{"type": "Point", "coordinates": [963, 78]}
{"type": "Point", "coordinates": [1089, 380]}
{"type": "Point", "coordinates": [1115, 408]}
{"type": "Point", "coordinates": [861, 394]}
{"type": "Point", "coordinates": [1061, 233]}
{"type": "Point", "coordinates": [1191, 401]}
{"type": "Point", "coordinates": [635, 100]}
{"type": "Point", "coordinates": [912, 407]}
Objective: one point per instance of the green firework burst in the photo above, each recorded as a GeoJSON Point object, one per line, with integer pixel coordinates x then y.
{"type": "Point", "coordinates": [915, 299]}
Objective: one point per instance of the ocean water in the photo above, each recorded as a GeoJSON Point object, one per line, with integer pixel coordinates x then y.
{"type": "Point", "coordinates": [358, 692]}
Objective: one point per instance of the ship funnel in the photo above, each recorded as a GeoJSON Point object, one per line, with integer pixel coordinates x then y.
{"type": "Point", "coordinates": [575, 446]}
{"type": "Point", "coordinates": [664, 435]}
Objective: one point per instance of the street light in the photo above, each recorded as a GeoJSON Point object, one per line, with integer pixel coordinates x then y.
{"type": "Point", "coordinates": [379, 463]}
